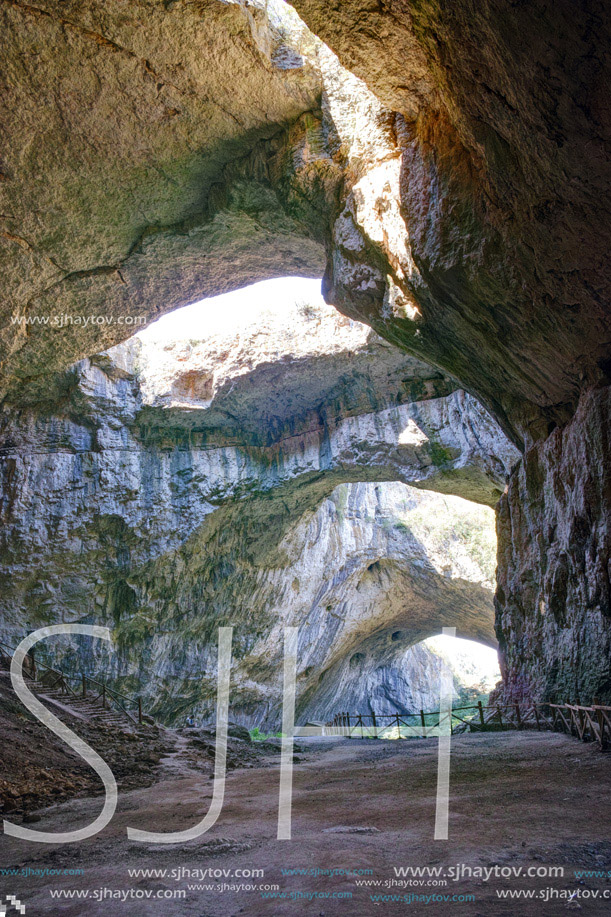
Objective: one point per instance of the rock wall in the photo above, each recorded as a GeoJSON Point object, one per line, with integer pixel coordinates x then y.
{"type": "Point", "coordinates": [375, 565]}
{"type": "Point", "coordinates": [495, 207]}
{"type": "Point", "coordinates": [385, 678]}
{"type": "Point", "coordinates": [452, 183]}
{"type": "Point", "coordinates": [463, 215]}
{"type": "Point", "coordinates": [554, 599]}
{"type": "Point", "coordinates": [483, 246]}
{"type": "Point", "coordinates": [164, 507]}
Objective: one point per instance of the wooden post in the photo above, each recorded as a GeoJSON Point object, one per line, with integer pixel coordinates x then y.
{"type": "Point", "coordinates": [375, 725]}
{"type": "Point", "coordinates": [498, 710]}
{"type": "Point", "coordinates": [518, 718]}
{"type": "Point", "coordinates": [572, 730]}
{"type": "Point", "coordinates": [423, 721]}
{"type": "Point", "coordinates": [601, 723]}
{"type": "Point", "coordinates": [348, 725]}
{"type": "Point", "coordinates": [140, 710]}
{"type": "Point", "coordinates": [398, 726]}
{"type": "Point", "coordinates": [481, 713]}
{"type": "Point", "coordinates": [84, 680]}
{"type": "Point", "coordinates": [104, 696]}
{"type": "Point", "coordinates": [601, 730]}
{"type": "Point", "coordinates": [536, 712]}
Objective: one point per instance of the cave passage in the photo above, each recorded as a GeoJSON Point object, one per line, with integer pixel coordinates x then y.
{"type": "Point", "coordinates": [259, 460]}
{"type": "Point", "coordinates": [366, 248]}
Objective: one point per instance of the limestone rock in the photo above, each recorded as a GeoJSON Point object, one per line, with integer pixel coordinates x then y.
{"type": "Point", "coordinates": [163, 521]}
{"type": "Point", "coordinates": [499, 195]}
{"type": "Point", "coordinates": [553, 598]}
{"type": "Point", "coordinates": [453, 188]}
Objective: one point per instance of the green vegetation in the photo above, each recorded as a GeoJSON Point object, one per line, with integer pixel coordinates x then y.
{"type": "Point", "coordinates": [257, 736]}
{"type": "Point", "coordinates": [439, 454]}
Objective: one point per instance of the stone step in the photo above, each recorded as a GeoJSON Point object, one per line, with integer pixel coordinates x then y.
{"type": "Point", "coordinates": [84, 705]}
{"type": "Point", "coordinates": [89, 705]}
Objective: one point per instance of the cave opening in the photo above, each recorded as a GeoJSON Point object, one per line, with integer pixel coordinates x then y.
{"type": "Point", "coordinates": [270, 462]}
{"type": "Point", "coordinates": [282, 463]}
{"type": "Point", "coordinates": [261, 460]}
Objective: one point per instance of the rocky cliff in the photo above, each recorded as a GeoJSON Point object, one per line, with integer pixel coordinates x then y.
{"type": "Point", "coordinates": [444, 165]}
{"type": "Point", "coordinates": [554, 597]}
{"type": "Point", "coordinates": [195, 483]}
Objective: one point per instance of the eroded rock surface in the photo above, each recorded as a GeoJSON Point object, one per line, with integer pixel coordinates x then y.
{"type": "Point", "coordinates": [452, 184]}
{"type": "Point", "coordinates": [168, 514]}
{"type": "Point", "coordinates": [137, 141]}
{"type": "Point", "coordinates": [207, 145]}
{"type": "Point", "coordinates": [385, 678]}
{"type": "Point", "coordinates": [554, 595]}
{"type": "Point", "coordinates": [495, 266]}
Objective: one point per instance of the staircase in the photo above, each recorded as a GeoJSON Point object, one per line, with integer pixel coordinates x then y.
{"type": "Point", "coordinates": [95, 702]}
{"type": "Point", "coordinates": [89, 707]}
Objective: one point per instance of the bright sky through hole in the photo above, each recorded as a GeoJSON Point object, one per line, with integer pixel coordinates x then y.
{"type": "Point", "coordinates": [483, 658]}
{"type": "Point", "coordinates": [248, 305]}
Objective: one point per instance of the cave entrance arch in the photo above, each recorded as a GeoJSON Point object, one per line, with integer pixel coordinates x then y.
{"type": "Point", "coordinates": [284, 425]}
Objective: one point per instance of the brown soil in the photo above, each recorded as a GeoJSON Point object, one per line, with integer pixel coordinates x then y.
{"type": "Point", "coordinates": [38, 769]}
{"type": "Point", "coordinates": [517, 799]}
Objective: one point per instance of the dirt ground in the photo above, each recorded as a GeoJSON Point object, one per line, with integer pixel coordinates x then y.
{"type": "Point", "coordinates": [37, 768]}
{"type": "Point", "coordinates": [518, 800]}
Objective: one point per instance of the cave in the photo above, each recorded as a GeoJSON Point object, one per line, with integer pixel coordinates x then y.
{"type": "Point", "coordinates": [259, 460]}
{"type": "Point", "coordinates": [305, 324]}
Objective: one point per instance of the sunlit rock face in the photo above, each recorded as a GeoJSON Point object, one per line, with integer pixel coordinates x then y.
{"type": "Point", "coordinates": [451, 184]}
{"type": "Point", "coordinates": [366, 563]}
{"type": "Point", "coordinates": [456, 196]}
{"type": "Point", "coordinates": [153, 126]}
{"type": "Point", "coordinates": [483, 247]}
{"type": "Point", "coordinates": [375, 566]}
{"type": "Point", "coordinates": [385, 678]}
{"type": "Point", "coordinates": [263, 373]}
{"type": "Point", "coordinates": [165, 510]}
{"type": "Point", "coordinates": [488, 229]}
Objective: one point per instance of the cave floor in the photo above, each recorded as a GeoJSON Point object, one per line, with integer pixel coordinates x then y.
{"type": "Point", "coordinates": [516, 800]}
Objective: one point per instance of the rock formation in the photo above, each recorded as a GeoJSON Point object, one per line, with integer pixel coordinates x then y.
{"type": "Point", "coordinates": [447, 172]}
{"type": "Point", "coordinates": [399, 680]}
{"type": "Point", "coordinates": [553, 600]}
{"type": "Point", "coordinates": [503, 189]}
{"type": "Point", "coordinates": [196, 483]}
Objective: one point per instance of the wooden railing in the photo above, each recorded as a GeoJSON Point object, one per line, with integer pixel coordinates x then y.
{"type": "Point", "coordinates": [53, 679]}
{"type": "Point", "coordinates": [588, 723]}
{"type": "Point", "coordinates": [591, 723]}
